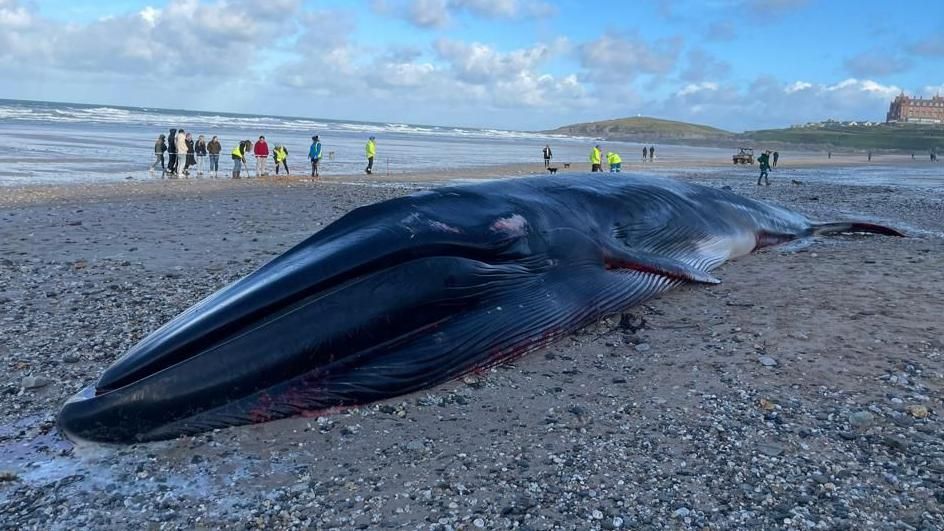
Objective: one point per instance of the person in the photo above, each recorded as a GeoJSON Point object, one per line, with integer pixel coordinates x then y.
{"type": "Point", "coordinates": [172, 152]}
{"type": "Point", "coordinates": [371, 151]}
{"type": "Point", "coordinates": [159, 148]}
{"type": "Point", "coordinates": [829, 154]}
{"type": "Point", "coordinates": [181, 141]}
{"type": "Point", "coordinates": [261, 151]}
{"type": "Point", "coordinates": [314, 155]}
{"type": "Point", "coordinates": [201, 150]}
{"type": "Point", "coordinates": [912, 155]}
{"type": "Point", "coordinates": [776, 158]}
{"type": "Point", "coordinates": [614, 161]}
{"type": "Point", "coordinates": [239, 158]}
{"type": "Point", "coordinates": [191, 154]}
{"type": "Point", "coordinates": [652, 153]}
{"type": "Point", "coordinates": [547, 155]}
{"type": "Point", "coordinates": [214, 148]}
{"type": "Point", "coordinates": [764, 161]}
{"type": "Point", "coordinates": [644, 152]}
{"type": "Point", "coordinates": [280, 154]}
{"type": "Point", "coordinates": [870, 156]}
{"type": "Point", "coordinates": [595, 158]}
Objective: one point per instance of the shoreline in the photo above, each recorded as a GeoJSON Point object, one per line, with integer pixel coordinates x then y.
{"type": "Point", "coordinates": [13, 194]}
{"type": "Point", "coordinates": [788, 396]}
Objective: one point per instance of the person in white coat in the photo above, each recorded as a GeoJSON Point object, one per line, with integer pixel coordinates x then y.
{"type": "Point", "coordinates": [181, 142]}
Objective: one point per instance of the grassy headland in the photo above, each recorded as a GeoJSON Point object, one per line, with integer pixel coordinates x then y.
{"type": "Point", "coordinates": [897, 137]}
{"type": "Point", "coordinates": [644, 129]}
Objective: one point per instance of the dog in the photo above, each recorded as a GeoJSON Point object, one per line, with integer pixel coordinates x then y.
{"type": "Point", "coordinates": [566, 164]}
{"type": "Point", "coordinates": [552, 171]}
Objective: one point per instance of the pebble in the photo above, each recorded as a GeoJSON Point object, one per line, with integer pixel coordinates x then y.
{"type": "Point", "coordinates": [767, 361]}
{"type": "Point", "coordinates": [861, 419]}
{"type": "Point", "coordinates": [643, 347]}
{"type": "Point", "coordinates": [918, 411]}
{"type": "Point", "coordinates": [771, 449]}
{"type": "Point", "coordinates": [35, 382]}
{"type": "Point", "coordinates": [681, 512]}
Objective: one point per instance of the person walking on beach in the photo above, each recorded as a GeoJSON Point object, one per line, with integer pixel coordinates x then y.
{"type": "Point", "coordinates": [870, 156]}
{"type": "Point", "coordinates": [614, 161]}
{"type": "Point", "coordinates": [201, 150]}
{"type": "Point", "coordinates": [181, 141]}
{"type": "Point", "coordinates": [776, 158]}
{"type": "Point", "coordinates": [261, 151]}
{"type": "Point", "coordinates": [239, 157]}
{"type": "Point", "coordinates": [644, 153]}
{"type": "Point", "coordinates": [547, 155]}
{"type": "Point", "coordinates": [371, 150]}
{"type": "Point", "coordinates": [191, 154]}
{"type": "Point", "coordinates": [214, 148]}
{"type": "Point", "coordinates": [172, 152]}
{"type": "Point", "coordinates": [595, 157]}
{"type": "Point", "coordinates": [764, 161]}
{"type": "Point", "coordinates": [314, 155]}
{"type": "Point", "coordinates": [280, 154]}
{"type": "Point", "coordinates": [159, 148]}
{"type": "Point", "coordinates": [652, 153]}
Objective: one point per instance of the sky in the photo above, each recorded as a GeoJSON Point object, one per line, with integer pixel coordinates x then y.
{"type": "Point", "coordinates": [509, 64]}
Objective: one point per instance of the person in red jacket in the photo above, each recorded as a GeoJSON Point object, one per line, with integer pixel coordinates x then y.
{"type": "Point", "coordinates": [261, 151]}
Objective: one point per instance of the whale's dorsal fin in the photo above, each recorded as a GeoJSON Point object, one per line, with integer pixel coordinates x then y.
{"type": "Point", "coordinates": [646, 262]}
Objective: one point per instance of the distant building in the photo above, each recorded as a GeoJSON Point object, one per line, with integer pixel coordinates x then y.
{"type": "Point", "coordinates": [916, 110]}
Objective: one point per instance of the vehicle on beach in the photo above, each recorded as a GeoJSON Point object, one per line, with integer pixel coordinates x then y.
{"type": "Point", "coordinates": [744, 156]}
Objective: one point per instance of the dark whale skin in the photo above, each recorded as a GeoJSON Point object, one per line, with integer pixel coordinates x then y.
{"type": "Point", "coordinates": [408, 293]}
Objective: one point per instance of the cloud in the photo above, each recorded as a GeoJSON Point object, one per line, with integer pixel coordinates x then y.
{"type": "Point", "coordinates": [614, 58]}
{"type": "Point", "coordinates": [932, 46]}
{"type": "Point", "coordinates": [186, 38]}
{"type": "Point", "coordinates": [876, 63]}
{"type": "Point", "coordinates": [721, 30]}
{"type": "Point", "coordinates": [768, 102]}
{"type": "Point", "coordinates": [774, 7]}
{"type": "Point", "coordinates": [431, 14]}
{"type": "Point", "coordinates": [703, 66]}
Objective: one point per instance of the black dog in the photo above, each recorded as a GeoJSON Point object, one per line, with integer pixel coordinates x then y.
{"type": "Point", "coordinates": [552, 171]}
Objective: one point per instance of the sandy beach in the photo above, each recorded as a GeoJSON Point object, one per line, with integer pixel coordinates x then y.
{"type": "Point", "coordinates": [804, 392]}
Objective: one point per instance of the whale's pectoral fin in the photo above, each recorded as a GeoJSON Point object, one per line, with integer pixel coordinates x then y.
{"type": "Point", "coordinates": [646, 262]}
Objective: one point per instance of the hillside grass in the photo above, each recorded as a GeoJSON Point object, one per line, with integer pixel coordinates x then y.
{"type": "Point", "coordinates": [917, 138]}
{"type": "Point", "coordinates": [642, 126]}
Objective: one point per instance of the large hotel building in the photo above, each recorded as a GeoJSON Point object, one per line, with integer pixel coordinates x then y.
{"type": "Point", "coordinates": [916, 110]}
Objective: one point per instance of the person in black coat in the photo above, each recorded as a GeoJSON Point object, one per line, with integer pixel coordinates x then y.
{"type": "Point", "coordinates": [172, 152]}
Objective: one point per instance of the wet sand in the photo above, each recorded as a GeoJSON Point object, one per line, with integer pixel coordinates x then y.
{"type": "Point", "coordinates": [803, 392]}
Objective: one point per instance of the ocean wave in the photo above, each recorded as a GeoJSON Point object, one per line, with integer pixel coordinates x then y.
{"type": "Point", "coordinates": [165, 119]}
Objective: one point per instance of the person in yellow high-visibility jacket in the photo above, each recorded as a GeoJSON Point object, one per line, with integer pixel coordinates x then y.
{"type": "Point", "coordinates": [280, 154]}
{"type": "Point", "coordinates": [595, 157]}
{"type": "Point", "coordinates": [614, 161]}
{"type": "Point", "coordinates": [371, 150]}
{"type": "Point", "coordinates": [239, 158]}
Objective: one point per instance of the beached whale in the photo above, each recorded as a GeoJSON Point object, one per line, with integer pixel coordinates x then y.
{"type": "Point", "coordinates": [408, 293]}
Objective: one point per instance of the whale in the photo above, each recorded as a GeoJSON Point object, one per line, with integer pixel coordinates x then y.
{"type": "Point", "coordinates": [408, 293]}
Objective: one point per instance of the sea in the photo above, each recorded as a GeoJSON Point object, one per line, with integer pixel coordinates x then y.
{"type": "Point", "coordinates": [52, 143]}
{"type": "Point", "coordinates": [44, 142]}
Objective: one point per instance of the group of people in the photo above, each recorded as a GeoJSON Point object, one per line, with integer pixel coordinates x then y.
{"type": "Point", "coordinates": [260, 150]}
{"type": "Point", "coordinates": [613, 160]}
{"type": "Point", "coordinates": [185, 153]}
{"type": "Point", "coordinates": [651, 151]}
